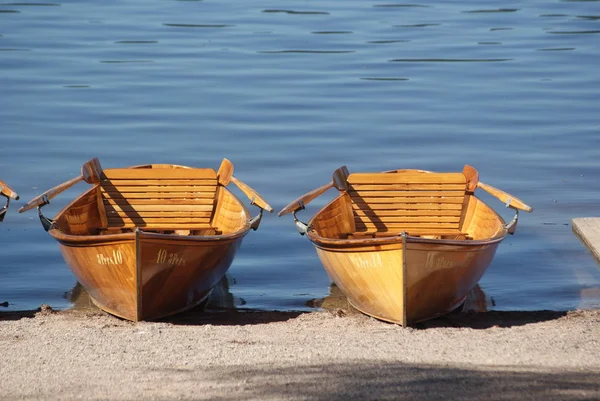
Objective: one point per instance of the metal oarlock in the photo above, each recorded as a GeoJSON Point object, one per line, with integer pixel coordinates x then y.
{"type": "Point", "coordinates": [255, 222]}
{"type": "Point", "coordinates": [46, 222]}
{"type": "Point", "coordinates": [512, 226]}
{"type": "Point", "coordinates": [4, 208]}
{"type": "Point", "coordinates": [300, 226]}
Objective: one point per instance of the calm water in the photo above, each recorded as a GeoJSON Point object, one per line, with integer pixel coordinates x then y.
{"type": "Point", "coordinates": [289, 91]}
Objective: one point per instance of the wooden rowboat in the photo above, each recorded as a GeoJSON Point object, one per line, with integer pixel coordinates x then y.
{"type": "Point", "coordinates": [406, 245]}
{"type": "Point", "coordinates": [9, 194]}
{"type": "Point", "coordinates": [150, 241]}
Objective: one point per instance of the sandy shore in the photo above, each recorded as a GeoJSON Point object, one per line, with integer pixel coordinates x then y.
{"type": "Point", "coordinates": [289, 355]}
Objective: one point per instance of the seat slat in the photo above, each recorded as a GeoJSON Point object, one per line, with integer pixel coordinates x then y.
{"type": "Point", "coordinates": [158, 198]}
{"type": "Point", "coordinates": [111, 189]}
{"type": "Point", "coordinates": [406, 194]}
{"type": "Point", "coordinates": [407, 187]}
{"type": "Point", "coordinates": [424, 203]}
{"type": "Point", "coordinates": [395, 213]}
{"type": "Point", "coordinates": [407, 178]}
{"type": "Point", "coordinates": [188, 214]}
{"type": "Point", "coordinates": [408, 206]}
{"type": "Point", "coordinates": [160, 173]}
{"type": "Point", "coordinates": [209, 183]}
{"type": "Point", "coordinates": [159, 208]}
{"type": "Point", "coordinates": [400, 201]}
{"type": "Point", "coordinates": [407, 219]}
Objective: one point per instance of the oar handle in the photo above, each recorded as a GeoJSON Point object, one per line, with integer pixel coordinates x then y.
{"type": "Point", "coordinates": [254, 196]}
{"type": "Point", "coordinates": [8, 191]}
{"type": "Point", "coordinates": [511, 201]}
{"type": "Point", "coordinates": [305, 199]}
{"type": "Point", "coordinates": [49, 194]}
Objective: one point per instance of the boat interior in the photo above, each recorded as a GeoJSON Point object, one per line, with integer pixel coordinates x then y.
{"type": "Point", "coordinates": [418, 203]}
{"type": "Point", "coordinates": [157, 198]}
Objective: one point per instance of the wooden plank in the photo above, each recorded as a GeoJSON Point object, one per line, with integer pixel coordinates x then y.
{"type": "Point", "coordinates": [183, 202]}
{"type": "Point", "coordinates": [587, 229]}
{"type": "Point", "coordinates": [117, 213]}
{"type": "Point", "coordinates": [402, 201]}
{"type": "Point", "coordinates": [166, 189]}
{"type": "Point", "coordinates": [412, 231]}
{"type": "Point", "coordinates": [143, 182]}
{"type": "Point", "coordinates": [164, 227]}
{"type": "Point", "coordinates": [408, 219]}
{"type": "Point", "coordinates": [158, 194]}
{"type": "Point", "coordinates": [160, 173]}
{"type": "Point", "coordinates": [395, 213]}
{"type": "Point", "coordinates": [406, 206]}
{"type": "Point", "coordinates": [405, 187]}
{"type": "Point", "coordinates": [158, 208]}
{"type": "Point", "coordinates": [407, 178]}
{"type": "Point", "coordinates": [403, 227]}
{"type": "Point", "coordinates": [406, 194]}
{"type": "Point", "coordinates": [409, 206]}
{"type": "Point", "coordinates": [141, 222]}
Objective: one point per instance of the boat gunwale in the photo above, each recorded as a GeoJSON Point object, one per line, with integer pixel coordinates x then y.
{"type": "Point", "coordinates": [72, 239]}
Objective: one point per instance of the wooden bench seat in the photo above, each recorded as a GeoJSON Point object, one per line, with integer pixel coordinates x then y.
{"type": "Point", "coordinates": [411, 201]}
{"type": "Point", "coordinates": [157, 198]}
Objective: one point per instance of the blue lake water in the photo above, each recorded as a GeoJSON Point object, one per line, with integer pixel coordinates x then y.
{"type": "Point", "coordinates": [289, 91]}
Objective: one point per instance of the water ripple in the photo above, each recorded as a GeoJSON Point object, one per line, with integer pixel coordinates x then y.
{"type": "Point", "coordinates": [388, 41]}
{"type": "Point", "coordinates": [307, 51]}
{"type": "Point", "coordinates": [32, 4]}
{"type": "Point", "coordinates": [383, 79]}
{"type": "Point", "coordinates": [498, 10]}
{"type": "Point", "coordinates": [297, 12]}
{"type": "Point", "coordinates": [125, 61]}
{"type": "Point", "coordinates": [332, 32]}
{"type": "Point", "coordinates": [9, 11]}
{"type": "Point", "coordinates": [574, 32]}
{"type": "Point", "coordinates": [415, 25]}
{"type": "Point", "coordinates": [199, 25]}
{"type": "Point", "coordinates": [136, 41]}
{"type": "Point", "coordinates": [557, 49]}
{"type": "Point", "coordinates": [401, 6]}
{"type": "Point", "coordinates": [449, 60]}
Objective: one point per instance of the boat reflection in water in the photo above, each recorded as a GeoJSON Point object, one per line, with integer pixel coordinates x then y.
{"type": "Point", "coordinates": [220, 299]}
{"type": "Point", "coordinates": [337, 303]}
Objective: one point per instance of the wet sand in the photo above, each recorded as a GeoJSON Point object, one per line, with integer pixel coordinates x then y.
{"type": "Point", "coordinates": [328, 355]}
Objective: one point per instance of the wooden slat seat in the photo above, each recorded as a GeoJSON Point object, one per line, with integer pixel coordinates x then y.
{"type": "Point", "coordinates": [157, 198]}
{"type": "Point", "coordinates": [421, 204]}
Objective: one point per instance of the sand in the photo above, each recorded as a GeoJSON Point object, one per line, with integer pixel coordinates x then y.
{"type": "Point", "coordinates": [326, 355]}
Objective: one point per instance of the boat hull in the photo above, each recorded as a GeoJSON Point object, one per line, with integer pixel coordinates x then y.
{"type": "Point", "coordinates": [410, 282]}
{"type": "Point", "coordinates": [147, 276]}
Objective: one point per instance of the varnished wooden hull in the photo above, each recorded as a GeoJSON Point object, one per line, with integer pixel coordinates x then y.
{"type": "Point", "coordinates": [149, 248]}
{"type": "Point", "coordinates": [405, 278]}
{"type": "Point", "coordinates": [436, 280]}
{"type": "Point", "coordinates": [146, 276]}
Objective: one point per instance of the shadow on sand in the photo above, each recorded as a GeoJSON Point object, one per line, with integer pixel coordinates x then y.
{"type": "Point", "coordinates": [397, 381]}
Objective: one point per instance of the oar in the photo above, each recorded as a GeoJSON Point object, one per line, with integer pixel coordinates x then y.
{"type": "Point", "coordinates": [225, 176]}
{"type": "Point", "coordinates": [338, 181]}
{"type": "Point", "coordinates": [7, 191]}
{"type": "Point", "coordinates": [510, 201]}
{"type": "Point", "coordinates": [91, 172]}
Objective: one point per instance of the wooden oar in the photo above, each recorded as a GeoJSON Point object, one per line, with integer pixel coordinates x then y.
{"type": "Point", "coordinates": [7, 191]}
{"type": "Point", "coordinates": [91, 172]}
{"type": "Point", "coordinates": [510, 201]}
{"type": "Point", "coordinates": [338, 181]}
{"type": "Point", "coordinates": [225, 176]}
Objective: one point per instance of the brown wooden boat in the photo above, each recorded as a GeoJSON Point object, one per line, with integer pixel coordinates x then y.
{"type": "Point", "coordinates": [406, 245]}
{"type": "Point", "coordinates": [9, 194]}
{"type": "Point", "coordinates": [153, 240]}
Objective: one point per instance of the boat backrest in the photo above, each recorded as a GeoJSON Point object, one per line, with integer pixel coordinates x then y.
{"type": "Point", "coordinates": [157, 198]}
{"type": "Point", "coordinates": [412, 201]}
